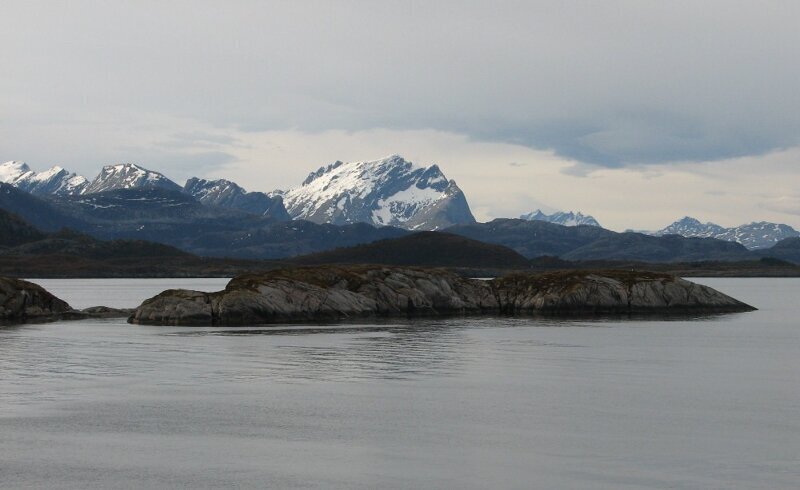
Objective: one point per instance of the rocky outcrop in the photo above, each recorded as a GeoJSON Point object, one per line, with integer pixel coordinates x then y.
{"type": "Point", "coordinates": [333, 293]}
{"type": "Point", "coordinates": [22, 301]}
{"type": "Point", "coordinates": [609, 292]}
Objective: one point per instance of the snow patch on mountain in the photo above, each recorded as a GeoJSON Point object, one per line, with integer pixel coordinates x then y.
{"type": "Point", "coordinates": [389, 191]}
{"type": "Point", "coordinates": [568, 218]}
{"type": "Point", "coordinates": [403, 205]}
{"type": "Point", "coordinates": [12, 171]}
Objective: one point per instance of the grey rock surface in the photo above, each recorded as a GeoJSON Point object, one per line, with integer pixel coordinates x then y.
{"type": "Point", "coordinates": [334, 293]}
{"type": "Point", "coordinates": [22, 300]}
{"type": "Point", "coordinates": [609, 291]}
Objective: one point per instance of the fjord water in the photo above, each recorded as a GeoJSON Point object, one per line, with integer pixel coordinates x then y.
{"type": "Point", "coordinates": [711, 402]}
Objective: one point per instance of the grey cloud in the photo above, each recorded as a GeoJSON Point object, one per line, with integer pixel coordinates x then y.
{"type": "Point", "coordinates": [198, 139]}
{"type": "Point", "coordinates": [178, 166]}
{"type": "Point", "coordinates": [602, 83]}
{"type": "Point", "coordinates": [788, 204]}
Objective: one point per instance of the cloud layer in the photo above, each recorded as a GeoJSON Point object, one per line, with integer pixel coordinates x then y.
{"type": "Point", "coordinates": [187, 86]}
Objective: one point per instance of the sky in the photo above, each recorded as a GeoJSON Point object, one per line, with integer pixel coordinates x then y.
{"type": "Point", "coordinates": [636, 112]}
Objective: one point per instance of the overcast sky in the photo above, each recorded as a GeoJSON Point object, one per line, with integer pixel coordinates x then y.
{"type": "Point", "coordinates": [636, 112]}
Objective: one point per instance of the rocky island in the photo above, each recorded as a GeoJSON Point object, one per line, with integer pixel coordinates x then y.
{"type": "Point", "coordinates": [328, 293]}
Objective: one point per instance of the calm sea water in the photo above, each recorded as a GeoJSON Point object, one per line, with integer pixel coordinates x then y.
{"type": "Point", "coordinates": [479, 403]}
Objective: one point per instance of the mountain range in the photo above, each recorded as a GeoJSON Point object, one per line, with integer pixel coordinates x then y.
{"type": "Point", "coordinates": [387, 192]}
{"type": "Point", "coordinates": [55, 181]}
{"type": "Point", "coordinates": [754, 236]}
{"type": "Point", "coordinates": [27, 251]}
{"type": "Point", "coordinates": [177, 219]}
{"type": "Point", "coordinates": [565, 218]}
{"type": "Point", "coordinates": [539, 238]}
{"type": "Point", "coordinates": [340, 205]}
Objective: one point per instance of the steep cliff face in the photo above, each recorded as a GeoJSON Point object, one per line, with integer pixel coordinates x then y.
{"type": "Point", "coordinates": [331, 293]}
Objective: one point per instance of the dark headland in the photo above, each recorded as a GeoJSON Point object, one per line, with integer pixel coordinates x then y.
{"type": "Point", "coordinates": [331, 293]}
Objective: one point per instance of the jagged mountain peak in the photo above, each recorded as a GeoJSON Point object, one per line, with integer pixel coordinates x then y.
{"type": "Point", "coordinates": [128, 176]}
{"type": "Point", "coordinates": [389, 191]}
{"type": "Point", "coordinates": [688, 220]}
{"type": "Point", "coordinates": [322, 171]}
{"type": "Point", "coordinates": [565, 218]}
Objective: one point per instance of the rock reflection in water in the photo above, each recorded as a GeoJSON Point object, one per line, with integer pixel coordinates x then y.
{"type": "Point", "coordinates": [353, 352]}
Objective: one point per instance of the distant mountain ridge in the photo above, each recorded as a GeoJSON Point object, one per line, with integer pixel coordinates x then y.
{"type": "Point", "coordinates": [129, 176]}
{"type": "Point", "coordinates": [539, 238]}
{"type": "Point", "coordinates": [56, 180]}
{"type": "Point", "coordinates": [60, 182]}
{"type": "Point", "coordinates": [786, 249]}
{"type": "Point", "coordinates": [424, 248]}
{"type": "Point", "coordinates": [565, 218]}
{"type": "Point", "coordinates": [178, 219]}
{"type": "Point", "coordinates": [389, 191]}
{"type": "Point", "coordinates": [21, 238]}
{"type": "Point", "coordinates": [756, 235]}
{"type": "Point", "coordinates": [341, 204]}
{"type": "Point", "coordinates": [228, 194]}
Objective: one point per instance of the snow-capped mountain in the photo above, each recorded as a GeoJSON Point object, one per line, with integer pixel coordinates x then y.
{"type": "Point", "coordinates": [386, 192]}
{"type": "Point", "coordinates": [691, 227]}
{"type": "Point", "coordinates": [129, 176]}
{"type": "Point", "coordinates": [561, 218]}
{"type": "Point", "coordinates": [60, 182]}
{"type": "Point", "coordinates": [755, 235]}
{"type": "Point", "coordinates": [53, 181]}
{"type": "Point", "coordinates": [228, 194]}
